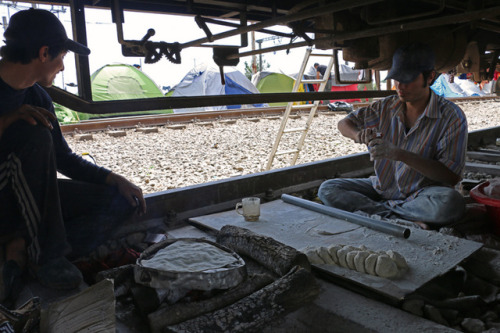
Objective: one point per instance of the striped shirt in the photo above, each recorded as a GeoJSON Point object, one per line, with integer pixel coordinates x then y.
{"type": "Point", "coordinates": [440, 133]}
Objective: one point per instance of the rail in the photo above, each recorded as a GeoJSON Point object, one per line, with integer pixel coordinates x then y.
{"type": "Point", "coordinates": [123, 122]}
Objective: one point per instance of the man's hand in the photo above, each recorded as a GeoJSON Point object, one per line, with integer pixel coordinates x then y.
{"type": "Point", "coordinates": [29, 113]}
{"type": "Point", "coordinates": [365, 135]}
{"type": "Point", "coordinates": [380, 149]}
{"type": "Point", "coordinates": [131, 192]}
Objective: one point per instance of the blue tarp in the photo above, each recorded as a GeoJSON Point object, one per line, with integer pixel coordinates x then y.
{"type": "Point", "coordinates": [442, 88]}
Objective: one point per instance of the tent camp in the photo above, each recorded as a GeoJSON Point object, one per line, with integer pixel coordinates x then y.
{"type": "Point", "coordinates": [274, 82]}
{"type": "Point", "coordinates": [205, 80]}
{"type": "Point", "coordinates": [118, 82]}
{"type": "Point", "coordinates": [459, 88]}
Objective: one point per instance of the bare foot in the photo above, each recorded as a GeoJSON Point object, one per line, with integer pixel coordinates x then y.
{"type": "Point", "coordinates": [422, 225]}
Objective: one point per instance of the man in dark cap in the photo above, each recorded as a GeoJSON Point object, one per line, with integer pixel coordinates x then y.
{"type": "Point", "coordinates": [417, 141]}
{"type": "Point", "coordinates": [45, 220]}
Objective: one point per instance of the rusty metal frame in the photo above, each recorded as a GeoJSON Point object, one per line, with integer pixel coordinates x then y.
{"type": "Point", "coordinates": [160, 103]}
{"type": "Point", "coordinates": [83, 71]}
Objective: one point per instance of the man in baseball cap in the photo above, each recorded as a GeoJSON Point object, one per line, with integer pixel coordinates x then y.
{"type": "Point", "coordinates": [417, 141]}
{"type": "Point", "coordinates": [37, 27]}
{"type": "Point", "coordinates": [47, 221]}
{"type": "Point", "coordinates": [411, 60]}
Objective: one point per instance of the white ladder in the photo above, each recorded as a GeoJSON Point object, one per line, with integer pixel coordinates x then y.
{"type": "Point", "coordinates": [290, 106]}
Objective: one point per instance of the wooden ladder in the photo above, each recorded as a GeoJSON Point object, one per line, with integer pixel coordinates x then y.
{"type": "Point", "coordinates": [290, 106]}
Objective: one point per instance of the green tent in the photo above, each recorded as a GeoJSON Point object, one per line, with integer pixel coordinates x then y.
{"type": "Point", "coordinates": [118, 82]}
{"type": "Point", "coordinates": [273, 82]}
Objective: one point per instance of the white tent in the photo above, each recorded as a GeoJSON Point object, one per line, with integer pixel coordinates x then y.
{"type": "Point", "coordinates": [205, 80]}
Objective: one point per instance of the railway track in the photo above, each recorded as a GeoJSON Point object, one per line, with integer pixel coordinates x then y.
{"type": "Point", "coordinates": [172, 119]}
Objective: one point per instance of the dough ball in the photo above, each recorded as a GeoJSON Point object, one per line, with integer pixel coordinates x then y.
{"type": "Point", "coordinates": [313, 256]}
{"type": "Point", "coordinates": [342, 254]}
{"type": "Point", "coordinates": [398, 259]}
{"type": "Point", "coordinates": [349, 258]}
{"type": "Point", "coordinates": [359, 261]}
{"type": "Point", "coordinates": [333, 252]}
{"type": "Point", "coordinates": [325, 255]}
{"type": "Point", "coordinates": [370, 263]}
{"type": "Point", "coordinates": [386, 267]}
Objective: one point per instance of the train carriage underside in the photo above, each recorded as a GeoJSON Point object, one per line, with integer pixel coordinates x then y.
{"type": "Point", "coordinates": [461, 283]}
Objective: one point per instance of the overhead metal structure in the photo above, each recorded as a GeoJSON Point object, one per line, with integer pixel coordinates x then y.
{"type": "Point", "coordinates": [464, 33]}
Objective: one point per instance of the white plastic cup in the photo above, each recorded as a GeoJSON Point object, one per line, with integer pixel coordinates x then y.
{"type": "Point", "coordinates": [249, 208]}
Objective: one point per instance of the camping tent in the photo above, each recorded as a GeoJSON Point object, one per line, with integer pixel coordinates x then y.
{"type": "Point", "coordinates": [459, 88]}
{"type": "Point", "coordinates": [205, 80]}
{"type": "Point", "coordinates": [118, 82]}
{"type": "Point", "coordinates": [274, 82]}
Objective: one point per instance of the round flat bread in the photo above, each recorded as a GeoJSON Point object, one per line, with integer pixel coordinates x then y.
{"type": "Point", "coordinates": [313, 256]}
{"type": "Point", "coordinates": [370, 263]}
{"type": "Point", "coordinates": [398, 259]}
{"type": "Point", "coordinates": [184, 256]}
{"type": "Point", "coordinates": [342, 254]}
{"type": "Point", "coordinates": [359, 261]}
{"type": "Point", "coordinates": [349, 258]}
{"type": "Point", "coordinates": [325, 255]}
{"type": "Point", "coordinates": [333, 249]}
{"type": "Point", "coordinates": [386, 267]}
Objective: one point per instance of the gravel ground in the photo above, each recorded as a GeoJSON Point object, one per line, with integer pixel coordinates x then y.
{"type": "Point", "coordinates": [203, 152]}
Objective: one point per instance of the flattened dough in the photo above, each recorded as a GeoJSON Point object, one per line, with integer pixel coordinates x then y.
{"type": "Point", "coordinates": [313, 256]}
{"type": "Point", "coordinates": [333, 249]}
{"type": "Point", "coordinates": [398, 259]}
{"type": "Point", "coordinates": [359, 261]}
{"type": "Point", "coordinates": [325, 255]}
{"type": "Point", "coordinates": [349, 258]}
{"type": "Point", "coordinates": [342, 254]}
{"type": "Point", "coordinates": [386, 267]}
{"type": "Point", "coordinates": [370, 263]}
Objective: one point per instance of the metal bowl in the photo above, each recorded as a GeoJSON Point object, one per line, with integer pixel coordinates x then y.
{"type": "Point", "coordinates": [219, 278]}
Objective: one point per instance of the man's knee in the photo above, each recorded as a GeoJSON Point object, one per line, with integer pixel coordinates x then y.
{"type": "Point", "coordinates": [328, 189]}
{"type": "Point", "coordinates": [27, 140]}
{"type": "Point", "coordinates": [450, 207]}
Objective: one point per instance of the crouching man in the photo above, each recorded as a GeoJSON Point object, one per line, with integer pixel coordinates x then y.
{"type": "Point", "coordinates": [46, 220]}
{"type": "Point", "coordinates": [417, 141]}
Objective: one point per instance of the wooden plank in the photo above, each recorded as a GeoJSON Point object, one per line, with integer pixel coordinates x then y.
{"type": "Point", "coordinates": [429, 254]}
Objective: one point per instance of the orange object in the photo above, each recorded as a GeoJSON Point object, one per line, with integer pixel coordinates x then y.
{"type": "Point", "coordinates": [492, 205]}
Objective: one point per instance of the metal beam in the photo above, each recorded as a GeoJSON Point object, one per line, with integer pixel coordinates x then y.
{"type": "Point", "coordinates": [177, 206]}
{"type": "Point", "coordinates": [75, 103]}
{"type": "Point", "coordinates": [305, 14]}
{"type": "Point", "coordinates": [82, 62]}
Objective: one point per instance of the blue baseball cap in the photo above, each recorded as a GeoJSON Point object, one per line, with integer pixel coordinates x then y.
{"type": "Point", "coordinates": [40, 27]}
{"type": "Point", "coordinates": [411, 60]}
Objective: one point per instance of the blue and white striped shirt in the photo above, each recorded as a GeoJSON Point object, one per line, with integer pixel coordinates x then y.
{"type": "Point", "coordinates": [440, 133]}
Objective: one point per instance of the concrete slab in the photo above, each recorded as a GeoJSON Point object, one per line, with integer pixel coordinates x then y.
{"type": "Point", "coordinates": [340, 310]}
{"type": "Point", "coordinates": [429, 254]}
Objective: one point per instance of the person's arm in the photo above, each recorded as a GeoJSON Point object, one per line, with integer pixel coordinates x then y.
{"type": "Point", "coordinates": [31, 114]}
{"type": "Point", "coordinates": [348, 129]}
{"type": "Point", "coordinates": [130, 191]}
{"type": "Point", "coordinates": [430, 168]}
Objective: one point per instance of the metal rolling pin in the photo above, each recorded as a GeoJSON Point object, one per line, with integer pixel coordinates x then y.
{"type": "Point", "coordinates": [364, 221]}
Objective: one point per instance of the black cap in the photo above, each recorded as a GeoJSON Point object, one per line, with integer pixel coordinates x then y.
{"type": "Point", "coordinates": [411, 60]}
{"type": "Point", "coordinates": [40, 27]}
